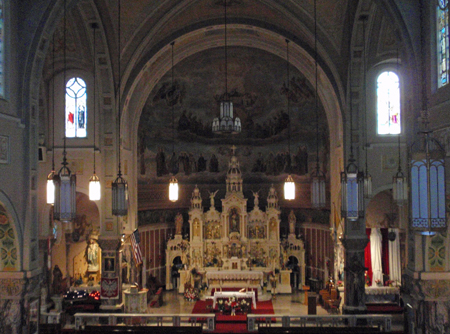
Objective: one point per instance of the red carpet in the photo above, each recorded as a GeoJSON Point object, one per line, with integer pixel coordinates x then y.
{"type": "Point", "coordinates": [229, 324]}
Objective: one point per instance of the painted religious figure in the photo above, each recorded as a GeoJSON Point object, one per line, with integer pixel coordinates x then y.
{"type": "Point", "coordinates": [234, 220]}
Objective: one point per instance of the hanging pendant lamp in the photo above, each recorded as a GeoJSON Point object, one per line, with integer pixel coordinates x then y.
{"type": "Point", "coordinates": [352, 180]}
{"type": "Point", "coordinates": [120, 185]}
{"type": "Point", "coordinates": [51, 175]}
{"type": "Point", "coordinates": [318, 186]}
{"type": "Point", "coordinates": [226, 123]}
{"type": "Point", "coordinates": [367, 176]}
{"type": "Point", "coordinates": [399, 182]}
{"type": "Point", "coordinates": [94, 181]}
{"type": "Point", "coordinates": [65, 182]}
{"type": "Point", "coordinates": [289, 184]}
{"type": "Point", "coordinates": [173, 183]}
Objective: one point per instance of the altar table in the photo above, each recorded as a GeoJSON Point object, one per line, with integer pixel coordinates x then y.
{"type": "Point", "coordinates": [228, 294]}
{"type": "Point", "coordinates": [235, 278]}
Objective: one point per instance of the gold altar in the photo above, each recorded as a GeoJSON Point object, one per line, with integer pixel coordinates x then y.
{"type": "Point", "coordinates": [234, 248]}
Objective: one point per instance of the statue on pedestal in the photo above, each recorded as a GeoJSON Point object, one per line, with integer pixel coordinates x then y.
{"type": "Point", "coordinates": [178, 223]}
{"type": "Point", "coordinates": [91, 255]}
{"type": "Point", "coordinates": [292, 222]}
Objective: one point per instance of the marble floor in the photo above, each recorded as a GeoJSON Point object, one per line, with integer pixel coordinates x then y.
{"type": "Point", "coordinates": [283, 304]}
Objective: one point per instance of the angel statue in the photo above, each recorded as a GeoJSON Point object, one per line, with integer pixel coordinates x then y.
{"type": "Point", "coordinates": [256, 196]}
{"type": "Point", "coordinates": [211, 197]}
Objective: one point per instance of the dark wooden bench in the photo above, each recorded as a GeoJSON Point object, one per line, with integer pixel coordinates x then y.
{"type": "Point", "coordinates": [317, 330]}
{"type": "Point", "coordinates": [157, 298]}
{"type": "Point", "coordinates": [141, 329]}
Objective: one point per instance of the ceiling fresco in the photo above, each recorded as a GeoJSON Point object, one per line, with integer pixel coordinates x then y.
{"type": "Point", "coordinates": [257, 86]}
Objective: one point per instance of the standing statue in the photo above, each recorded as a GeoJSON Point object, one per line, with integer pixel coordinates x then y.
{"type": "Point", "coordinates": [234, 221]}
{"type": "Point", "coordinates": [292, 222]}
{"type": "Point", "coordinates": [211, 197]}
{"type": "Point", "coordinates": [57, 280]}
{"type": "Point", "coordinates": [256, 196]}
{"type": "Point", "coordinates": [91, 255]}
{"type": "Point", "coordinates": [178, 223]}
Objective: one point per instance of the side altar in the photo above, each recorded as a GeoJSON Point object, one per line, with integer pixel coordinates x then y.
{"type": "Point", "coordinates": [234, 248]}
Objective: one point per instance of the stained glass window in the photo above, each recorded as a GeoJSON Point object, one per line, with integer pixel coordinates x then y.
{"type": "Point", "coordinates": [388, 103]}
{"type": "Point", "coordinates": [76, 108]}
{"type": "Point", "coordinates": [2, 42]}
{"type": "Point", "coordinates": [442, 42]}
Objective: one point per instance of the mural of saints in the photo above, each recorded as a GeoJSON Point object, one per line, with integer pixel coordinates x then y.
{"type": "Point", "coordinates": [234, 220]}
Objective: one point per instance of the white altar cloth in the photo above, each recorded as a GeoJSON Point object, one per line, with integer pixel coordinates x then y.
{"type": "Point", "coordinates": [228, 294]}
{"type": "Point", "coordinates": [230, 275]}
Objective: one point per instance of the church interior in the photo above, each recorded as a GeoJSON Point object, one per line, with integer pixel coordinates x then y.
{"type": "Point", "coordinates": [234, 159]}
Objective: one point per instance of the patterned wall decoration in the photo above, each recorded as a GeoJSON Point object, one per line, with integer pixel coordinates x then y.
{"type": "Point", "coordinates": [8, 243]}
{"type": "Point", "coordinates": [436, 253]}
{"type": "Point", "coordinates": [257, 87]}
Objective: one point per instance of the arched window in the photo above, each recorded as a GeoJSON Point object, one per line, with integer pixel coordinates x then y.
{"type": "Point", "coordinates": [2, 46]}
{"type": "Point", "coordinates": [442, 42]}
{"type": "Point", "coordinates": [76, 108]}
{"type": "Point", "coordinates": [388, 104]}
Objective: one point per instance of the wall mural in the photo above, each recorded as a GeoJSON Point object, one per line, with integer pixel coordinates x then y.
{"type": "Point", "coordinates": [8, 243]}
{"type": "Point", "coordinates": [257, 86]}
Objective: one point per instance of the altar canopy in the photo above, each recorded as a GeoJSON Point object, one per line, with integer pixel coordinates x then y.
{"type": "Point", "coordinates": [234, 247]}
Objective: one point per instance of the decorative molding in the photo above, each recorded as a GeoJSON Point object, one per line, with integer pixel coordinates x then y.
{"type": "Point", "coordinates": [436, 290]}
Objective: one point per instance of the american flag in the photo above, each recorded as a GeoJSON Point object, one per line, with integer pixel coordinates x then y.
{"type": "Point", "coordinates": [135, 240]}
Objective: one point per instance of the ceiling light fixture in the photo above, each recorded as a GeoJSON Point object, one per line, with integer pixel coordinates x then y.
{"type": "Point", "coordinates": [50, 177]}
{"type": "Point", "coordinates": [65, 208]}
{"type": "Point", "coordinates": [289, 184]}
{"type": "Point", "coordinates": [225, 123]}
{"type": "Point", "coordinates": [318, 195]}
{"type": "Point", "coordinates": [94, 181]}
{"type": "Point", "coordinates": [173, 183]}
{"type": "Point", "coordinates": [120, 185]}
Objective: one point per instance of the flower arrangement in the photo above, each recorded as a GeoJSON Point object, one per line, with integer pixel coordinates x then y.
{"type": "Point", "coordinates": [245, 306]}
{"type": "Point", "coordinates": [221, 305]}
{"type": "Point", "coordinates": [378, 282]}
{"type": "Point", "coordinates": [232, 304]}
{"type": "Point", "coordinates": [191, 294]}
{"type": "Point", "coordinates": [389, 282]}
{"type": "Point", "coordinates": [340, 283]}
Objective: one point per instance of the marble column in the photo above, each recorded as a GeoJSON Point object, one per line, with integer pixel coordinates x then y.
{"type": "Point", "coordinates": [355, 241]}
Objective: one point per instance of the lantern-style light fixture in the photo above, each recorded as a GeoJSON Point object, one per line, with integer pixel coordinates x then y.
{"type": "Point", "coordinates": [94, 181]}
{"type": "Point", "coordinates": [367, 176]}
{"type": "Point", "coordinates": [352, 180]}
{"type": "Point", "coordinates": [226, 123]}
{"type": "Point", "coordinates": [318, 186]}
{"type": "Point", "coordinates": [289, 184]}
{"type": "Point", "coordinates": [65, 182]}
{"type": "Point", "coordinates": [173, 183]}
{"type": "Point", "coordinates": [51, 175]}
{"type": "Point", "coordinates": [120, 186]}
{"type": "Point", "coordinates": [427, 168]}
{"type": "Point", "coordinates": [399, 181]}
{"type": "Point", "coordinates": [428, 212]}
